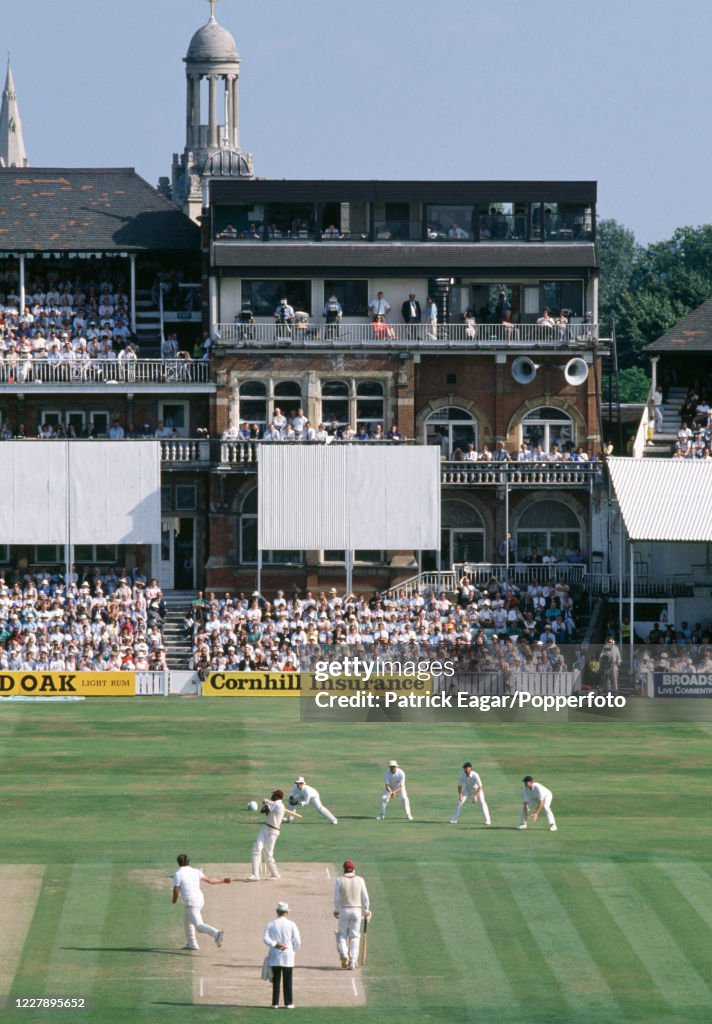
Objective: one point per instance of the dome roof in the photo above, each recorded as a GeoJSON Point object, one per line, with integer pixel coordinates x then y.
{"type": "Point", "coordinates": [229, 163]}
{"type": "Point", "coordinates": [212, 42]}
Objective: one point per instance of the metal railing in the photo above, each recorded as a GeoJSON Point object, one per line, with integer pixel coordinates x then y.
{"type": "Point", "coordinates": [538, 474]}
{"type": "Point", "coordinates": [609, 584]}
{"type": "Point", "coordinates": [480, 573]}
{"type": "Point", "coordinates": [396, 335]}
{"type": "Point", "coordinates": [105, 371]}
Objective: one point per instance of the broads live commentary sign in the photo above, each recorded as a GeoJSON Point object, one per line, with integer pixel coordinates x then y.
{"type": "Point", "coordinates": [68, 684]}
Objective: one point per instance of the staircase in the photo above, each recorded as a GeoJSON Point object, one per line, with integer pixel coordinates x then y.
{"type": "Point", "coordinates": [178, 643]}
{"type": "Point", "coordinates": [662, 444]}
{"type": "Point", "coordinates": [148, 325]}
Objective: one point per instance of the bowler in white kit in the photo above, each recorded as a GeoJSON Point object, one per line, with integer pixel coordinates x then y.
{"type": "Point", "coordinates": [469, 787]}
{"type": "Point", "coordinates": [303, 795]}
{"type": "Point", "coordinates": [394, 786]}
{"type": "Point", "coordinates": [186, 884]}
{"type": "Point", "coordinates": [537, 796]}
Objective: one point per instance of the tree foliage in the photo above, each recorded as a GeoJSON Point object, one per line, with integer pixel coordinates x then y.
{"type": "Point", "coordinates": [646, 290]}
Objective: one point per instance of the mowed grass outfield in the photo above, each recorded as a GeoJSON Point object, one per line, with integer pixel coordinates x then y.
{"type": "Point", "coordinates": [607, 920]}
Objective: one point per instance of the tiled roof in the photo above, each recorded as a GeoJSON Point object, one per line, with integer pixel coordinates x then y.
{"type": "Point", "coordinates": [664, 499]}
{"type": "Point", "coordinates": [692, 334]}
{"type": "Point", "coordinates": [97, 209]}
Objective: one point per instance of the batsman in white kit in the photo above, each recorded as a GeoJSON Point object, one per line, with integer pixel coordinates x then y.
{"type": "Point", "coordinates": [469, 786]}
{"type": "Point", "coordinates": [394, 786]}
{"type": "Point", "coordinates": [537, 796]}
{"type": "Point", "coordinates": [303, 795]}
{"type": "Point", "coordinates": [264, 844]}
{"type": "Point", "coordinates": [351, 906]}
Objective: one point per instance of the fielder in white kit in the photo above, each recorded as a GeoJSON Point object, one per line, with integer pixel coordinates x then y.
{"type": "Point", "coordinates": [303, 795]}
{"type": "Point", "coordinates": [469, 785]}
{"type": "Point", "coordinates": [394, 786]}
{"type": "Point", "coordinates": [186, 884]}
{"type": "Point", "coordinates": [351, 906]}
{"type": "Point", "coordinates": [540, 797]}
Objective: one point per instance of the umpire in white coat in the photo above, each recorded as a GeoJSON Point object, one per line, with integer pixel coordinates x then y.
{"type": "Point", "coordinates": [283, 938]}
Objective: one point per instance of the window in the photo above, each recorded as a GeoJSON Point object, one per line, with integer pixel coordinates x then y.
{"type": "Point", "coordinates": [499, 221]}
{"type": "Point", "coordinates": [4, 553]}
{"type": "Point", "coordinates": [287, 396]}
{"type": "Point", "coordinates": [547, 426]}
{"type": "Point", "coordinates": [462, 537]}
{"type": "Point", "coordinates": [45, 553]}
{"type": "Point", "coordinates": [90, 554]}
{"type": "Point", "coordinates": [248, 538]}
{"type": "Point", "coordinates": [451, 428]}
{"type": "Point", "coordinates": [335, 402]}
{"type": "Point", "coordinates": [567, 295]}
{"type": "Point", "coordinates": [293, 220]}
{"type": "Point", "coordinates": [568, 221]}
{"type": "Point", "coordinates": [253, 402]}
{"type": "Point", "coordinates": [174, 416]}
{"type": "Point", "coordinates": [548, 525]}
{"type": "Point", "coordinates": [264, 296]}
{"type": "Point", "coordinates": [100, 419]}
{"type": "Point", "coordinates": [369, 404]}
{"type": "Point", "coordinates": [352, 295]}
{"type": "Point", "coordinates": [185, 497]}
{"type": "Point", "coordinates": [166, 498]}
{"type": "Point", "coordinates": [447, 223]}
{"type": "Point", "coordinates": [369, 557]}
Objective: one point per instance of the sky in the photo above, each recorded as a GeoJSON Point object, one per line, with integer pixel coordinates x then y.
{"type": "Point", "coordinates": [616, 91]}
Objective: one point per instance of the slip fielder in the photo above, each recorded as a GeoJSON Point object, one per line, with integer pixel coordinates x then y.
{"type": "Point", "coordinates": [470, 785]}
{"type": "Point", "coordinates": [536, 794]}
{"type": "Point", "coordinates": [394, 786]}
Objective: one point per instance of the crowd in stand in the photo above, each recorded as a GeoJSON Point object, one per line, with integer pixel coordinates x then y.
{"type": "Point", "coordinates": [296, 427]}
{"type": "Point", "coordinates": [110, 622]}
{"type": "Point", "coordinates": [63, 321]}
{"type": "Point", "coordinates": [494, 627]}
{"type": "Point", "coordinates": [566, 452]}
{"type": "Point", "coordinates": [694, 438]}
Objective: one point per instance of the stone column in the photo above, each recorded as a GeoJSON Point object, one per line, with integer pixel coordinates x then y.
{"type": "Point", "coordinates": [212, 111]}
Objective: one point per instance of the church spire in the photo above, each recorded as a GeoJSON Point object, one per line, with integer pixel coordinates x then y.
{"type": "Point", "coordinates": [12, 144]}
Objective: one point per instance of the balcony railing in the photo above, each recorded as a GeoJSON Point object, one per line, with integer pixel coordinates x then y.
{"type": "Point", "coordinates": [244, 455]}
{"type": "Point", "coordinates": [398, 336]}
{"type": "Point", "coordinates": [105, 371]}
{"type": "Point", "coordinates": [519, 474]}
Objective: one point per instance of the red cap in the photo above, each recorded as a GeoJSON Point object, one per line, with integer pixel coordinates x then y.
{"type": "Point", "coordinates": [349, 865]}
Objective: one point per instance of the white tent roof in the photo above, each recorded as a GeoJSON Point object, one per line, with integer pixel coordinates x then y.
{"type": "Point", "coordinates": [664, 499]}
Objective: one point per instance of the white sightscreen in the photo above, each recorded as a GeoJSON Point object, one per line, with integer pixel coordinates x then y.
{"type": "Point", "coordinates": [113, 497]}
{"type": "Point", "coordinates": [348, 496]}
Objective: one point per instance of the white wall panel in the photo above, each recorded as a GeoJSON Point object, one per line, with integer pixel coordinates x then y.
{"type": "Point", "coordinates": [114, 491]}
{"type": "Point", "coordinates": [348, 497]}
{"type": "Point", "coordinates": [33, 505]}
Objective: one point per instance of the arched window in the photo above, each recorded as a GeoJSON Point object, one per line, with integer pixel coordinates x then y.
{"type": "Point", "coordinates": [335, 402]}
{"type": "Point", "coordinates": [547, 426]}
{"type": "Point", "coordinates": [369, 404]}
{"type": "Point", "coordinates": [253, 402]}
{"type": "Point", "coordinates": [248, 537]}
{"type": "Point", "coordinates": [548, 525]}
{"type": "Point", "coordinates": [451, 428]}
{"type": "Point", "coordinates": [287, 396]}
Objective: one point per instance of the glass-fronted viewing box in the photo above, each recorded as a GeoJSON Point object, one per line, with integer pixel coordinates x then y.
{"type": "Point", "coordinates": [406, 212]}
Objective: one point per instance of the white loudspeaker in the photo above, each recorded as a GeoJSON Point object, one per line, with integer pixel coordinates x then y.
{"type": "Point", "coordinates": [524, 370]}
{"type": "Point", "coordinates": [575, 371]}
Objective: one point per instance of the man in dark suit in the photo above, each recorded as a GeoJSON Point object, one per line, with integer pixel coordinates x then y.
{"type": "Point", "coordinates": [410, 311]}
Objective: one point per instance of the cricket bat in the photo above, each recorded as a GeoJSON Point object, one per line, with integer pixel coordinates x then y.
{"type": "Point", "coordinates": [364, 942]}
